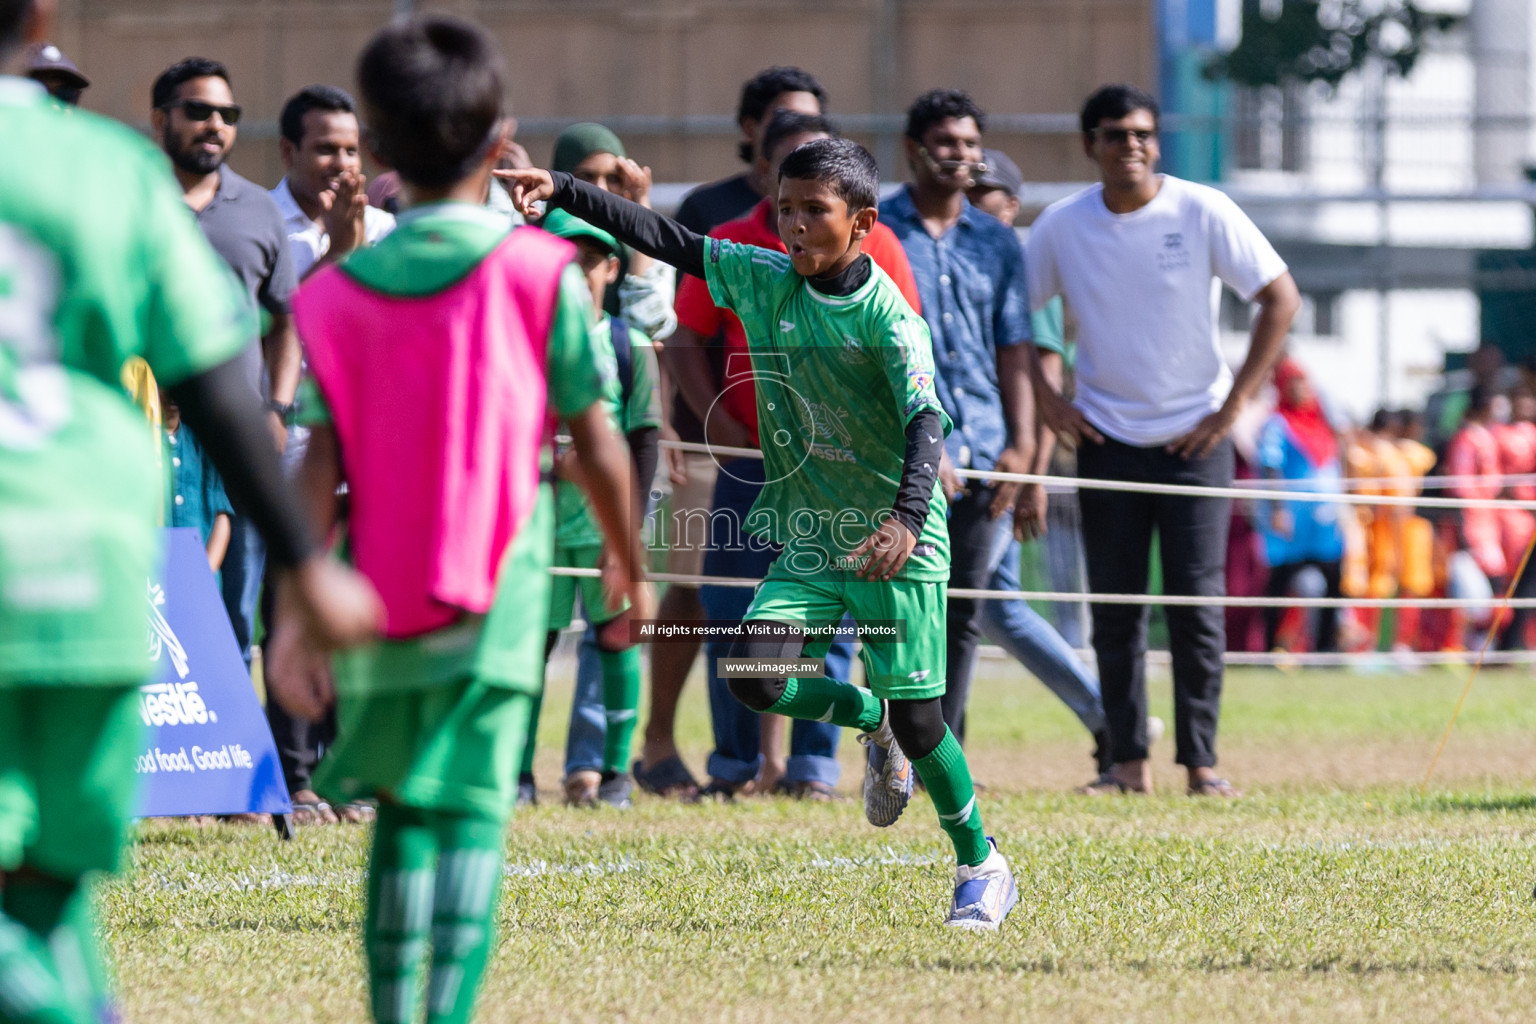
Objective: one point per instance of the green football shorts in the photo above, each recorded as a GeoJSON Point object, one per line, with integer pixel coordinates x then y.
{"type": "Point", "coordinates": [452, 748]}
{"type": "Point", "coordinates": [68, 789]}
{"type": "Point", "coordinates": [563, 589]}
{"type": "Point", "coordinates": [910, 669]}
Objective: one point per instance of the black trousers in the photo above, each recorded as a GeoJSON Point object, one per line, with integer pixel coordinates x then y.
{"type": "Point", "coordinates": [300, 744]}
{"type": "Point", "coordinates": [971, 532]}
{"type": "Point", "coordinates": [1192, 540]}
{"type": "Point", "coordinates": [1280, 579]}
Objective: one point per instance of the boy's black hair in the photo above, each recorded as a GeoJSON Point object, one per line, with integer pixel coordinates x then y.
{"type": "Point", "coordinates": [1384, 419]}
{"type": "Point", "coordinates": [842, 165]}
{"type": "Point", "coordinates": [431, 87]}
{"type": "Point", "coordinates": [1114, 102]}
{"type": "Point", "coordinates": [764, 87]}
{"type": "Point", "coordinates": [12, 14]}
{"type": "Point", "coordinates": [786, 123]}
{"type": "Point", "coordinates": [312, 97]}
{"type": "Point", "coordinates": [163, 93]}
{"type": "Point", "coordinates": [937, 105]}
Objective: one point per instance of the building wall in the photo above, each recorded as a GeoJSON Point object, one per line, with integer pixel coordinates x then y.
{"type": "Point", "coordinates": [678, 63]}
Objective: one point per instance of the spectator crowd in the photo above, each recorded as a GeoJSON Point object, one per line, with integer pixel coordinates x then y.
{"type": "Point", "coordinates": [1137, 389]}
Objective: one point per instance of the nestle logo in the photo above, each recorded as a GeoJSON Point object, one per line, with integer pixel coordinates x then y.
{"type": "Point", "coordinates": [1173, 240]}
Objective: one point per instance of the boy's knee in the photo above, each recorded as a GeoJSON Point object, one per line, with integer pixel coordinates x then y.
{"type": "Point", "coordinates": [918, 726]}
{"type": "Point", "coordinates": [757, 694]}
{"type": "Point", "coordinates": [768, 641]}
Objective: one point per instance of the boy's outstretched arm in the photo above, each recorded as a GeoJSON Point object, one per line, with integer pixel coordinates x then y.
{"type": "Point", "coordinates": [646, 230]}
{"type": "Point", "coordinates": [609, 483]}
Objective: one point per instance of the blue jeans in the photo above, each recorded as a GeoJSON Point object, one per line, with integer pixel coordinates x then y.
{"type": "Point", "coordinates": [1018, 629]}
{"type": "Point", "coordinates": [737, 757]}
{"type": "Point", "coordinates": [240, 581]}
{"type": "Point", "coordinates": [589, 727]}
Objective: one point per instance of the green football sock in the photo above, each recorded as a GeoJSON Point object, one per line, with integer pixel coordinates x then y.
{"type": "Point", "coordinates": [828, 700]}
{"type": "Point", "coordinates": [621, 703]}
{"type": "Point", "coordinates": [58, 914]}
{"type": "Point", "coordinates": [399, 913]}
{"type": "Point", "coordinates": [30, 992]}
{"type": "Point", "coordinates": [463, 915]}
{"type": "Point", "coordinates": [948, 779]}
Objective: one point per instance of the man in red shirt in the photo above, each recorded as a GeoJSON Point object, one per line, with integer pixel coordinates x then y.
{"type": "Point", "coordinates": [749, 746]}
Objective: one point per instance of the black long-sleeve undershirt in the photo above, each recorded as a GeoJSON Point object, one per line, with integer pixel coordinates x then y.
{"type": "Point", "coordinates": [919, 469]}
{"type": "Point", "coordinates": [663, 238]}
{"type": "Point", "coordinates": [221, 409]}
{"type": "Point", "coordinates": [643, 452]}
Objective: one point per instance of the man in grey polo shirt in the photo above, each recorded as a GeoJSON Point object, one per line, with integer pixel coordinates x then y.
{"type": "Point", "coordinates": [194, 119]}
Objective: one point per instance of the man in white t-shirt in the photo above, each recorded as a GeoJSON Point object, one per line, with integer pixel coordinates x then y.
{"type": "Point", "coordinates": [1140, 259]}
{"type": "Point", "coordinates": [325, 216]}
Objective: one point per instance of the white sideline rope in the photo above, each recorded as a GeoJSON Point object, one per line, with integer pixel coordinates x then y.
{"type": "Point", "coordinates": [1188, 490]}
{"type": "Point", "coordinates": [1074, 597]}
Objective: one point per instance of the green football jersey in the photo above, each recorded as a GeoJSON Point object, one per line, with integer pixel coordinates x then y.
{"type": "Point", "coordinates": [100, 260]}
{"type": "Point", "coordinates": [838, 378]}
{"type": "Point", "coordinates": [577, 524]}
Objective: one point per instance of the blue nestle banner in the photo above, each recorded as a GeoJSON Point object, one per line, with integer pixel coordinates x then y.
{"type": "Point", "coordinates": [210, 751]}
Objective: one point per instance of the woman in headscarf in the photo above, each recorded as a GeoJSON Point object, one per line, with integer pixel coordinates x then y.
{"type": "Point", "coordinates": [1299, 444]}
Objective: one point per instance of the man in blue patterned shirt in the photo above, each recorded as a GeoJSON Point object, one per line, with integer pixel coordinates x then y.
{"type": "Point", "coordinates": [970, 275]}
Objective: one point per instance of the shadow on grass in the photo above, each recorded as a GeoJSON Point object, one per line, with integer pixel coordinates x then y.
{"type": "Point", "coordinates": [1489, 803]}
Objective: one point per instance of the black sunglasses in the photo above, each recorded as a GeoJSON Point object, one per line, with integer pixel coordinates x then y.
{"type": "Point", "coordinates": [197, 110]}
{"type": "Point", "coordinates": [1120, 136]}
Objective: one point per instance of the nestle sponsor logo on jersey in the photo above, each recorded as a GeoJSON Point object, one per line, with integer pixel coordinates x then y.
{"type": "Point", "coordinates": [832, 454]}
{"type": "Point", "coordinates": [1173, 255]}
{"type": "Point", "coordinates": [173, 704]}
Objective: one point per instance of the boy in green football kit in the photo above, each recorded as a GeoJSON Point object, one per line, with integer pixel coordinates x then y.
{"type": "Point", "coordinates": [100, 261]}
{"type": "Point", "coordinates": [431, 720]}
{"type": "Point", "coordinates": [600, 776]}
{"type": "Point", "coordinates": [852, 433]}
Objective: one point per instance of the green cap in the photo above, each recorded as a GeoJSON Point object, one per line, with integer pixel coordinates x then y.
{"type": "Point", "coordinates": [565, 225]}
{"type": "Point", "coordinates": [580, 141]}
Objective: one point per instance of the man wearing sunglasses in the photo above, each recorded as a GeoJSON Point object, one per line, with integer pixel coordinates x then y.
{"type": "Point", "coordinates": [194, 119]}
{"type": "Point", "coordinates": [1136, 258]}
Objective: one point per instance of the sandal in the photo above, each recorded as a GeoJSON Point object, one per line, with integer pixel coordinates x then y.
{"type": "Point", "coordinates": [356, 812]}
{"type": "Point", "coordinates": [313, 812]}
{"type": "Point", "coordinates": [668, 777]}
{"type": "Point", "coordinates": [1109, 785]}
{"type": "Point", "coordinates": [813, 792]}
{"type": "Point", "coordinates": [1214, 787]}
{"type": "Point", "coordinates": [724, 792]}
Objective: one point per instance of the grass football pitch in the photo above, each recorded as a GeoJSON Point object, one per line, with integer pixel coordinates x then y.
{"type": "Point", "coordinates": [1333, 892]}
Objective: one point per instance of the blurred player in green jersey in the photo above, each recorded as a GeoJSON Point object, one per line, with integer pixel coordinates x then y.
{"type": "Point", "coordinates": [100, 261]}
{"type": "Point", "coordinates": [441, 357]}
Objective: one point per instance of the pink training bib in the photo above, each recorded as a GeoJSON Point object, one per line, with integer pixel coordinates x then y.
{"type": "Point", "coordinates": [439, 406]}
